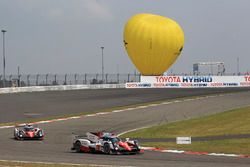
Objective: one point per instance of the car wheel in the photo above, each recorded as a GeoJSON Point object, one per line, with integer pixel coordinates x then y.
{"type": "Point", "coordinates": [19, 138]}
{"type": "Point", "coordinates": [136, 145]}
{"type": "Point", "coordinates": [106, 148]}
{"type": "Point", "coordinates": [78, 146]}
{"type": "Point", "coordinates": [20, 135]}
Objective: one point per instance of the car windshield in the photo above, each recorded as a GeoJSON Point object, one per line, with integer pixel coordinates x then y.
{"type": "Point", "coordinates": [28, 128]}
{"type": "Point", "coordinates": [115, 140]}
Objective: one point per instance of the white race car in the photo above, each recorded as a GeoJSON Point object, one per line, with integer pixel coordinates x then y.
{"type": "Point", "coordinates": [106, 143]}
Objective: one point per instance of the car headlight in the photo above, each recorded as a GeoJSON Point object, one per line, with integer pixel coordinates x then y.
{"type": "Point", "coordinates": [20, 134]}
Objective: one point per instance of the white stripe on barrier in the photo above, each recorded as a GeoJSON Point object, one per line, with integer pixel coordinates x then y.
{"type": "Point", "coordinates": [58, 88]}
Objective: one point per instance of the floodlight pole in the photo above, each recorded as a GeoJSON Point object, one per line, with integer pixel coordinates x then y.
{"type": "Point", "coordinates": [3, 31]}
{"type": "Point", "coordinates": [238, 66]}
{"type": "Point", "coordinates": [102, 65]}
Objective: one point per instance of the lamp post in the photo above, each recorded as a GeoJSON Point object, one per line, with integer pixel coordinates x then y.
{"type": "Point", "coordinates": [3, 31]}
{"type": "Point", "coordinates": [102, 65]}
{"type": "Point", "coordinates": [238, 66]}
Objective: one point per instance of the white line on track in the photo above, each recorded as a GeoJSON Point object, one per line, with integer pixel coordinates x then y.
{"type": "Point", "coordinates": [143, 106]}
{"type": "Point", "coordinates": [5, 127]}
{"type": "Point", "coordinates": [128, 109]}
{"type": "Point", "coordinates": [117, 111]}
{"type": "Point", "coordinates": [52, 163]}
{"type": "Point", "coordinates": [132, 130]}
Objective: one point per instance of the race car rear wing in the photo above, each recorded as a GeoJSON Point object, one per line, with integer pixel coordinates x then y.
{"type": "Point", "coordinates": [92, 137]}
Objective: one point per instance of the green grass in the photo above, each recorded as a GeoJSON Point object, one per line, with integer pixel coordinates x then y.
{"type": "Point", "coordinates": [231, 122]}
{"type": "Point", "coordinates": [236, 146]}
{"type": "Point", "coordinates": [235, 121]}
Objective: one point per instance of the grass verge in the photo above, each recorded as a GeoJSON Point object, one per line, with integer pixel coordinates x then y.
{"type": "Point", "coordinates": [235, 146]}
{"type": "Point", "coordinates": [235, 121]}
{"type": "Point", "coordinates": [231, 122]}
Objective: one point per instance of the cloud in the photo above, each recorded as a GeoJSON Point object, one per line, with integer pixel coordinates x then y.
{"type": "Point", "coordinates": [97, 10]}
{"type": "Point", "coordinates": [55, 13]}
{"type": "Point", "coordinates": [65, 10]}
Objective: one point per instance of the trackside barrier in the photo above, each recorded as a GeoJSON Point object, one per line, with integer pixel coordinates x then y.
{"type": "Point", "coordinates": [190, 82]}
{"type": "Point", "coordinates": [59, 88]}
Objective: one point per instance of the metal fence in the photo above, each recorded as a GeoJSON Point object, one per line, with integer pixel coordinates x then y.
{"type": "Point", "coordinates": [66, 79]}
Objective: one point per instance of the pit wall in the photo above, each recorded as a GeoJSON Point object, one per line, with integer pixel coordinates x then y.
{"type": "Point", "coordinates": [59, 88]}
{"type": "Point", "coordinates": [190, 82]}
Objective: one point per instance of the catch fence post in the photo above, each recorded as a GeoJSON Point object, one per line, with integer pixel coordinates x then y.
{"type": "Point", "coordinates": [46, 79]}
{"type": "Point", "coordinates": [75, 79]}
{"type": "Point", "coordinates": [85, 78]}
{"type": "Point", "coordinates": [28, 79]}
{"type": "Point", "coordinates": [37, 77]}
{"type": "Point", "coordinates": [118, 80]}
{"type": "Point", "coordinates": [106, 77]}
{"type": "Point", "coordinates": [65, 79]}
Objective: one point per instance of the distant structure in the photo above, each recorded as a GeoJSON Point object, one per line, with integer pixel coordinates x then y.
{"type": "Point", "coordinates": [209, 68]}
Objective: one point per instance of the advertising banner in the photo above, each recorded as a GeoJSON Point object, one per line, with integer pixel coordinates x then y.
{"type": "Point", "coordinates": [190, 82]}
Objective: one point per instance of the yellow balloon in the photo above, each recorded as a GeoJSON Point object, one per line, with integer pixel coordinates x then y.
{"type": "Point", "coordinates": [153, 42]}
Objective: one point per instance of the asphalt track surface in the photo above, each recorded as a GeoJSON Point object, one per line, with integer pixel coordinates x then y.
{"type": "Point", "coordinates": [23, 106]}
{"type": "Point", "coordinates": [57, 143]}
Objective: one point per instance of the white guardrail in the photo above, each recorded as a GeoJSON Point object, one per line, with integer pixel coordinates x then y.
{"type": "Point", "coordinates": [190, 82]}
{"type": "Point", "coordinates": [58, 88]}
{"type": "Point", "coordinates": [149, 82]}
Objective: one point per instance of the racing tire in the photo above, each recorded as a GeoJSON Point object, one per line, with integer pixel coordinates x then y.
{"type": "Point", "coordinates": [19, 138]}
{"type": "Point", "coordinates": [41, 138]}
{"type": "Point", "coordinates": [137, 146]}
{"type": "Point", "coordinates": [19, 134]}
{"type": "Point", "coordinates": [106, 148]}
{"type": "Point", "coordinates": [92, 150]}
{"type": "Point", "coordinates": [78, 146]}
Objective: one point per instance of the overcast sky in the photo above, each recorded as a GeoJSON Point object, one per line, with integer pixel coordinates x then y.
{"type": "Point", "coordinates": [65, 36]}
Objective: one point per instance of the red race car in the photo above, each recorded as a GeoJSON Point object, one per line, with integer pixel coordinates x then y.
{"type": "Point", "coordinates": [28, 132]}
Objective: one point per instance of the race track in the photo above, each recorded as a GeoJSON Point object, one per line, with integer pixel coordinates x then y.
{"type": "Point", "coordinates": [56, 146]}
{"type": "Point", "coordinates": [23, 106]}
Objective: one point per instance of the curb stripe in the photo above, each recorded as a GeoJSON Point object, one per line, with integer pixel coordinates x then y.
{"type": "Point", "coordinates": [194, 152]}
